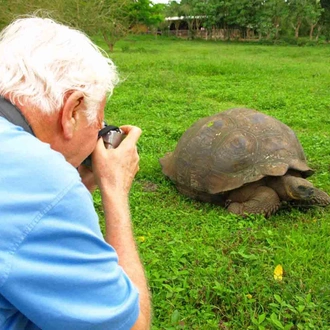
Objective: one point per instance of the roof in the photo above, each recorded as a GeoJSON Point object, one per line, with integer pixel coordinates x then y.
{"type": "Point", "coordinates": [180, 18]}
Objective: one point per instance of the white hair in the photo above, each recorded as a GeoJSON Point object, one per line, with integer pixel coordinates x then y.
{"type": "Point", "coordinates": [42, 60]}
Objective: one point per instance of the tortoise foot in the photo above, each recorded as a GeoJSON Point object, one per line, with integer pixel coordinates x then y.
{"type": "Point", "coordinates": [250, 200]}
{"type": "Point", "coordinates": [319, 198]}
{"type": "Point", "coordinates": [243, 209]}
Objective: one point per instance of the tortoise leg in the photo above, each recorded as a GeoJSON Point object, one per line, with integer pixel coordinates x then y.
{"type": "Point", "coordinates": [253, 200]}
{"type": "Point", "coordinates": [320, 198]}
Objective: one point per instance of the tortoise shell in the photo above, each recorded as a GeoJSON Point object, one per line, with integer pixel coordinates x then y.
{"type": "Point", "coordinates": [233, 148]}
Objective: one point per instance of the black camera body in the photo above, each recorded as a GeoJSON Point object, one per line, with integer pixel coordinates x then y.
{"type": "Point", "coordinates": [112, 137]}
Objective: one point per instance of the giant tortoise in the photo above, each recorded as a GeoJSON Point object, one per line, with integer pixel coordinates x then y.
{"type": "Point", "coordinates": [244, 160]}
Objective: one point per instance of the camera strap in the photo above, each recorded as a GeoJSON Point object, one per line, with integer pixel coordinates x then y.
{"type": "Point", "coordinates": [14, 115]}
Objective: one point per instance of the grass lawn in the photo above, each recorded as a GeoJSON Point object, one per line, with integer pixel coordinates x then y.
{"type": "Point", "coordinates": [208, 269]}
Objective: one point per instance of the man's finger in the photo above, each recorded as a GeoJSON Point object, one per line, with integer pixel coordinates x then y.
{"type": "Point", "coordinates": [133, 134]}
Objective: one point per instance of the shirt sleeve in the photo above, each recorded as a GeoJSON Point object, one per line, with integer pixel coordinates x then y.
{"type": "Point", "coordinates": [64, 275]}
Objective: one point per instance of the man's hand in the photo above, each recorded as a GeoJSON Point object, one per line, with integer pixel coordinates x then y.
{"type": "Point", "coordinates": [115, 169]}
{"type": "Point", "coordinates": [87, 177]}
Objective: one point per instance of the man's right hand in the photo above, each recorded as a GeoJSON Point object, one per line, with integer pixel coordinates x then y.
{"type": "Point", "coordinates": [115, 169]}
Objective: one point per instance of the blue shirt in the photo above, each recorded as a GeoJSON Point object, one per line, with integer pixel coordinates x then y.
{"type": "Point", "coordinates": [56, 270]}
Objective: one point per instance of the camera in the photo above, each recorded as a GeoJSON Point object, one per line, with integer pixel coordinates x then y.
{"type": "Point", "coordinates": [112, 137]}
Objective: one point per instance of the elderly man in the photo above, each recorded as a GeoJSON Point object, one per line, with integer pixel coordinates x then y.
{"type": "Point", "coordinates": [56, 269]}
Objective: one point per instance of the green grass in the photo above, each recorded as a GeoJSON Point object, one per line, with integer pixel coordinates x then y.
{"type": "Point", "coordinates": [208, 269]}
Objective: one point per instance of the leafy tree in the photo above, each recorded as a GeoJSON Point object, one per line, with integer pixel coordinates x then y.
{"type": "Point", "coordinates": [313, 15]}
{"type": "Point", "coordinates": [324, 22]}
{"type": "Point", "coordinates": [270, 18]}
{"type": "Point", "coordinates": [108, 18]}
{"type": "Point", "coordinates": [174, 10]}
{"type": "Point", "coordinates": [280, 12]}
{"type": "Point", "coordinates": [188, 11]}
{"type": "Point", "coordinates": [264, 20]}
{"type": "Point", "coordinates": [210, 10]}
{"type": "Point", "coordinates": [10, 9]}
{"type": "Point", "coordinates": [267, 17]}
{"type": "Point", "coordinates": [244, 14]}
{"type": "Point", "coordinates": [215, 13]}
{"type": "Point", "coordinates": [297, 13]}
{"type": "Point", "coordinates": [146, 13]}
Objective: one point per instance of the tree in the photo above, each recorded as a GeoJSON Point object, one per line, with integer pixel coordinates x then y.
{"type": "Point", "coordinates": [244, 14]}
{"type": "Point", "coordinates": [264, 20]}
{"type": "Point", "coordinates": [277, 11]}
{"type": "Point", "coordinates": [268, 17]}
{"type": "Point", "coordinates": [313, 15]}
{"type": "Point", "coordinates": [324, 22]}
{"type": "Point", "coordinates": [146, 13]}
{"type": "Point", "coordinates": [10, 9]}
{"type": "Point", "coordinates": [187, 9]}
{"type": "Point", "coordinates": [107, 18]}
{"type": "Point", "coordinates": [213, 13]}
{"type": "Point", "coordinates": [297, 12]}
{"type": "Point", "coordinates": [173, 10]}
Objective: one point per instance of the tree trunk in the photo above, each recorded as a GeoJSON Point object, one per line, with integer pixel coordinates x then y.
{"type": "Point", "coordinates": [319, 28]}
{"type": "Point", "coordinates": [311, 31]}
{"type": "Point", "coordinates": [177, 25]}
{"type": "Point", "coordinates": [109, 43]}
{"type": "Point", "coordinates": [247, 36]}
{"type": "Point", "coordinates": [213, 35]}
{"type": "Point", "coordinates": [198, 25]}
{"type": "Point", "coordinates": [297, 28]}
{"type": "Point", "coordinates": [276, 32]}
{"type": "Point", "coordinates": [191, 33]}
{"type": "Point", "coordinates": [226, 32]}
{"type": "Point", "coordinates": [276, 26]}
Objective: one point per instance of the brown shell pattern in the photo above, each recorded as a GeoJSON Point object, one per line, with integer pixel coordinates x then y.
{"type": "Point", "coordinates": [232, 148]}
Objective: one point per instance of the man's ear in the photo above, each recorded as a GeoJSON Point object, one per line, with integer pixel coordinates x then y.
{"type": "Point", "coordinates": [70, 113]}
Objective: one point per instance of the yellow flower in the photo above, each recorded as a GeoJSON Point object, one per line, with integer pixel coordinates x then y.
{"type": "Point", "coordinates": [141, 239]}
{"type": "Point", "coordinates": [249, 296]}
{"type": "Point", "coordinates": [278, 273]}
